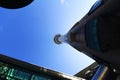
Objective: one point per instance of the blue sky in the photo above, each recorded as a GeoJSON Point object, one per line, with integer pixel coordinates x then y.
{"type": "Point", "coordinates": [27, 34]}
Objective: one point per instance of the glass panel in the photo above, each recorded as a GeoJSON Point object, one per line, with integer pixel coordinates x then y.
{"type": "Point", "coordinates": [35, 77]}
{"type": "Point", "coordinates": [9, 72]}
{"type": "Point", "coordinates": [91, 33]}
{"type": "Point", "coordinates": [17, 74]}
{"type": "Point", "coordinates": [95, 6]}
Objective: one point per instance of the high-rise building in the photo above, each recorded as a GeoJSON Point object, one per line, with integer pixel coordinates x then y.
{"type": "Point", "coordinates": [97, 34]}
{"type": "Point", "coordinates": [13, 69]}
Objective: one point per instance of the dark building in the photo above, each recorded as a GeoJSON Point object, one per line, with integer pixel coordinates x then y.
{"type": "Point", "coordinates": [13, 69]}
{"type": "Point", "coordinates": [89, 71]}
{"type": "Point", "coordinates": [97, 34]}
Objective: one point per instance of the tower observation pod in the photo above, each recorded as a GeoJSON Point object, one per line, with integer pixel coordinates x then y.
{"type": "Point", "coordinates": [59, 39]}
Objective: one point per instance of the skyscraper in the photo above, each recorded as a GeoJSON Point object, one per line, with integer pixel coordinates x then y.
{"type": "Point", "coordinates": [13, 69]}
{"type": "Point", "coordinates": [97, 34]}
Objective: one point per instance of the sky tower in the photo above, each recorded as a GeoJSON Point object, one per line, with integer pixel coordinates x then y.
{"type": "Point", "coordinates": [59, 39]}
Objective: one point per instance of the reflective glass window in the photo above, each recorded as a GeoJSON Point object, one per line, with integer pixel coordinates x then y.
{"type": "Point", "coordinates": [91, 33]}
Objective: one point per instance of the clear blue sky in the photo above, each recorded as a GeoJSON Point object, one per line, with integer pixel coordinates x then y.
{"type": "Point", "coordinates": [27, 34]}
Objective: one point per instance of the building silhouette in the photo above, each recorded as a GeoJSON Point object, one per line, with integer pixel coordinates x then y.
{"type": "Point", "coordinates": [97, 34]}
{"type": "Point", "coordinates": [13, 69]}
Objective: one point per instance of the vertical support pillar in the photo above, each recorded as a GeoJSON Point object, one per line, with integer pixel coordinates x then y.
{"type": "Point", "coordinates": [101, 73]}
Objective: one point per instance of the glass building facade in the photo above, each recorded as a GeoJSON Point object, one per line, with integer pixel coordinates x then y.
{"type": "Point", "coordinates": [9, 72]}
{"type": "Point", "coordinates": [13, 69]}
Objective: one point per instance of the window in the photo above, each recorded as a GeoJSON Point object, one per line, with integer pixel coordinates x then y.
{"type": "Point", "coordinates": [91, 34]}
{"type": "Point", "coordinates": [9, 72]}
